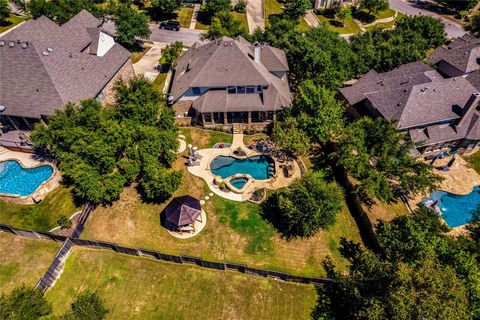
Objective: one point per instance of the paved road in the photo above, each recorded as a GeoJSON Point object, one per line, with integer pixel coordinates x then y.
{"type": "Point", "coordinates": [187, 36]}
{"type": "Point", "coordinates": [408, 7]}
{"type": "Point", "coordinates": [255, 15]}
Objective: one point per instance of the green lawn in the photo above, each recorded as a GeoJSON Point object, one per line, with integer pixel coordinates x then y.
{"type": "Point", "coordinates": [474, 161]}
{"type": "Point", "coordinates": [242, 18]}
{"type": "Point", "coordinates": [159, 81]}
{"type": "Point", "coordinates": [303, 25]}
{"type": "Point", "coordinates": [387, 13]}
{"type": "Point", "coordinates": [272, 7]}
{"type": "Point", "coordinates": [203, 21]}
{"type": "Point", "coordinates": [137, 55]}
{"type": "Point", "coordinates": [42, 216]}
{"type": "Point", "coordinates": [23, 260]}
{"type": "Point", "coordinates": [386, 25]}
{"type": "Point", "coordinates": [11, 22]}
{"type": "Point", "coordinates": [184, 16]}
{"type": "Point", "coordinates": [234, 232]}
{"type": "Point", "coordinates": [140, 288]}
{"type": "Point", "coordinates": [349, 26]}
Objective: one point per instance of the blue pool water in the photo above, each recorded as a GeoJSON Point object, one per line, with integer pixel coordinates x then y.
{"type": "Point", "coordinates": [457, 209]}
{"type": "Point", "coordinates": [259, 167]}
{"type": "Point", "coordinates": [17, 180]}
{"type": "Point", "coordinates": [238, 183]}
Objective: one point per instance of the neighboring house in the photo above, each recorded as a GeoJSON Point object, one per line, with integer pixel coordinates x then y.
{"type": "Point", "coordinates": [43, 66]}
{"type": "Point", "coordinates": [327, 4]}
{"type": "Point", "coordinates": [229, 81]}
{"type": "Point", "coordinates": [437, 113]}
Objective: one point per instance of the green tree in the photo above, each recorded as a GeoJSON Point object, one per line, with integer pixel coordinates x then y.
{"type": "Point", "coordinates": [373, 6]}
{"type": "Point", "coordinates": [171, 53]}
{"type": "Point", "coordinates": [158, 183]}
{"type": "Point", "coordinates": [61, 11]}
{"type": "Point", "coordinates": [295, 9]}
{"type": "Point", "coordinates": [223, 24]}
{"type": "Point", "coordinates": [458, 5]}
{"type": "Point", "coordinates": [318, 113]}
{"type": "Point", "coordinates": [24, 303]}
{"type": "Point", "coordinates": [64, 222]}
{"type": "Point", "coordinates": [378, 157]}
{"type": "Point", "coordinates": [100, 150]}
{"type": "Point", "coordinates": [4, 10]}
{"type": "Point", "coordinates": [287, 135]}
{"type": "Point", "coordinates": [474, 25]}
{"type": "Point", "coordinates": [214, 7]}
{"type": "Point", "coordinates": [88, 306]}
{"type": "Point", "coordinates": [344, 13]}
{"type": "Point", "coordinates": [308, 205]}
{"type": "Point", "coordinates": [165, 7]}
{"type": "Point", "coordinates": [130, 24]}
{"type": "Point", "coordinates": [410, 41]}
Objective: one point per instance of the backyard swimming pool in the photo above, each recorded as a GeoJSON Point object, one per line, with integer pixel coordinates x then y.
{"type": "Point", "coordinates": [457, 209]}
{"type": "Point", "coordinates": [239, 183]}
{"type": "Point", "coordinates": [16, 180]}
{"type": "Point", "coordinates": [259, 167]}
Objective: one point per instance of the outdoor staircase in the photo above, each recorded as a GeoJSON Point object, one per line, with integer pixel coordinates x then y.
{"type": "Point", "coordinates": [237, 128]}
{"type": "Point", "coordinates": [3, 150]}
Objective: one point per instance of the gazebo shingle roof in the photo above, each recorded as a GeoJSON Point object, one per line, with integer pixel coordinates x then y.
{"type": "Point", "coordinates": [183, 210]}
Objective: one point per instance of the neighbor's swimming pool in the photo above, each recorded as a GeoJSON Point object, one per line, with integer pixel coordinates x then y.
{"type": "Point", "coordinates": [259, 167]}
{"type": "Point", "coordinates": [14, 179]}
{"type": "Point", "coordinates": [457, 209]}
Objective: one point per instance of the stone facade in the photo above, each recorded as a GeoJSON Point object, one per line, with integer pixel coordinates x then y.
{"type": "Point", "coordinates": [125, 73]}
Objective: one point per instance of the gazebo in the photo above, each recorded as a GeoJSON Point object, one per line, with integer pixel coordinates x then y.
{"type": "Point", "coordinates": [182, 212]}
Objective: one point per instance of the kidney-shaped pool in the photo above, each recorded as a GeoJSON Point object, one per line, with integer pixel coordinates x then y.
{"type": "Point", "coordinates": [259, 167]}
{"type": "Point", "coordinates": [16, 180]}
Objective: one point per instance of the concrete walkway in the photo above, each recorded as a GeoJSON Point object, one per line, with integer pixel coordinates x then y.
{"type": "Point", "coordinates": [255, 16]}
{"type": "Point", "coordinates": [193, 22]}
{"type": "Point", "coordinates": [311, 19]}
{"type": "Point", "coordinates": [149, 62]}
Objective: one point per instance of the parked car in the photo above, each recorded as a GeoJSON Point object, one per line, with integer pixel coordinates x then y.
{"type": "Point", "coordinates": [170, 25]}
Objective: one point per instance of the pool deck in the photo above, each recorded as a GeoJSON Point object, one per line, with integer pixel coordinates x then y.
{"type": "Point", "coordinates": [203, 170]}
{"type": "Point", "coordinates": [29, 160]}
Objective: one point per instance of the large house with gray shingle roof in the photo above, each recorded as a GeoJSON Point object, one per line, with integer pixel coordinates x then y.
{"type": "Point", "coordinates": [229, 81]}
{"type": "Point", "coordinates": [437, 113]}
{"type": "Point", "coordinates": [43, 66]}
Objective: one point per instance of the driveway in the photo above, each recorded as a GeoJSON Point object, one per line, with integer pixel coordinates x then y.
{"type": "Point", "coordinates": [255, 16]}
{"type": "Point", "coordinates": [187, 36]}
{"type": "Point", "coordinates": [149, 62]}
{"type": "Point", "coordinates": [410, 8]}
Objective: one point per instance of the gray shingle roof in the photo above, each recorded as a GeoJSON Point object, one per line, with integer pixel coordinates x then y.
{"type": "Point", "coordinates": [229, 62]}
{"type": "Point", "coordinates": [462, 53]}
{"type": "Point", "coordinates": [411, 95]}
{"type": "Point", "coordinates": [50, 65]}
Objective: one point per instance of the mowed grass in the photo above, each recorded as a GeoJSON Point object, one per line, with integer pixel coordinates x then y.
{"type": "Point", "coordinates": [386, 25]}
{"type": "Point", "coordinates": [11, 22]}
{"type": "Point", "coordinates": [23, 260]}
{"type": "Point", "coordinates": [203, 21]}
{"type": "Point", "coordinates": [242, 18]}
{"type": "Point", "coordinates": [140, 288]}
{"type": "Point", "coordinates": [349, 26]}
{"type": "Point", "coordinates": [184, 16]}
{"type": "Point", "coordinates": [235, 231]}
{"type": "Point", "coordinates": [137, 55]}
{"type": "Point", "coordinates": [42, 216]}
{"type": "Point", "coordinates": [205, 138]}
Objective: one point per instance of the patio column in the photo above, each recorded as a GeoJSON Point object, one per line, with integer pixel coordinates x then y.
{"type": "Point", "coordinates": [212, 118]}
{"type": "Point", "coordinates": [249, 117]}
{"type": "Point", "coordinates": [225, 117]}
{"type": "Point", "coordinates": [12, 122]}
{"type": "Point", "coordinates": [274, 115]}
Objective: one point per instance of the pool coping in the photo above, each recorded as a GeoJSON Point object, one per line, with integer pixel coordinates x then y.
{"type": "Point", "coordinates": [41, 191]}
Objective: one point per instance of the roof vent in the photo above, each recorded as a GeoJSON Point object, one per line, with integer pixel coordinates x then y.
{"type": "Point", "coordinates": [189, 65]}
{"type": "Point", "coordinates": [231, 44]}
{"type": "Point", "coordinates": [225, 44]}
{"type": "Point", "coordinates": [50, 49]}
{"type": "Point", "coordinates": [11, 44]}
{"type": "Point", "coordinates": [2, 43]}
{"type": "Point", "coordinates": [24, 45]}
{"type": "Point", "coordinates": [45, 53]}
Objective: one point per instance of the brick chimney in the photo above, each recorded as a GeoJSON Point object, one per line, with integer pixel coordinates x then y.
{"type": "Point", "coordinates": [256, 52]}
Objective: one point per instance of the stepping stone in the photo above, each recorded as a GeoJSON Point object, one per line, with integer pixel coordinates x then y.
{"type": "Point", "coordinates": [207, 197]}
{"type": "Point", "coordinates": [202, 202]}
{"type": "Point", "coordinates": [211, 194]}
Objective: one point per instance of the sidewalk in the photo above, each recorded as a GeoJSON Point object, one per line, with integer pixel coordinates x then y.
{"type": "Point", "coordinates": [311, 19]}
{"type": "Point", "coordinates": [193, 22]}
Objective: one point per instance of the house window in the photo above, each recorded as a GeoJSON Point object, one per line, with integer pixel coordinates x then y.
{"type": "Point", "coordinates": [232, 89]}
{"type": "Point", "coordinates": [196, 91]}
{"type": "Point", "coordinates": [241, 89]}
{"type": "Point", "coordinates": [447, 122]}
{"type": "Point", "coordinates": [259, 88]}
{"type": "Point", "coordinates": [250, 89]}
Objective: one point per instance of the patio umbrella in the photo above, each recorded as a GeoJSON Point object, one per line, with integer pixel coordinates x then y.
{"type": "Point", "coordinates": [183, 210]}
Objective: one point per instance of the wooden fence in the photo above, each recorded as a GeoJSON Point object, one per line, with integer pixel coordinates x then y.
{"type": "Point", "coordinates": [157, 256]}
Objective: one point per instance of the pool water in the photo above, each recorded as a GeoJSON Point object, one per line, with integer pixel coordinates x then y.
{"type": "Point", "coordinates": [239, 183]}
{"type": "Point", "coordinates": [14, 179]}
{"type": "Point", "coordinates": [259, 167]}
{"type": "Point", "coordinates": [457, 209]}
